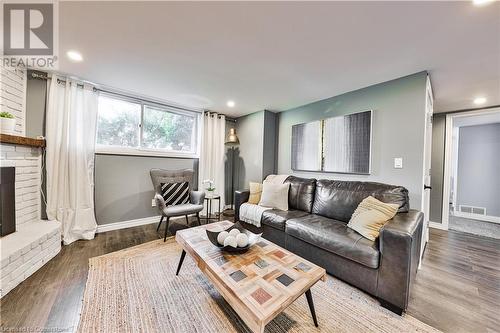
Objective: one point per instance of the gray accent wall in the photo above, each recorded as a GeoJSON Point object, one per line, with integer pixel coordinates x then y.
{"type": "Point", "coordinates": [478, 180]}
{"type": "Point", "coordinates": [437, 167]}
{"type": "Point", "coordinates": [256, 154]}
{"type": "Point", "coordinates": [397, 131]}
{"type": "Point", "coordinates": [123, 188]}
{"type": "Point", "coordinates": [36, 96]}
{"type": "Point", "coordinates": [269, 144]}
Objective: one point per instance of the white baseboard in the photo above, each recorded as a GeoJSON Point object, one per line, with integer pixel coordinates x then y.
{"type": "Point", "coordinates": [437, 225]}
{"type": "Point", "coordinates": [486, 218]}
{"type": "Point", "coordinates": [127, 224]}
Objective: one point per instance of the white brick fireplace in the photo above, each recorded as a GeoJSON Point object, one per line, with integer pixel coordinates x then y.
{"type": "Point", "coordinates": [35, 241]}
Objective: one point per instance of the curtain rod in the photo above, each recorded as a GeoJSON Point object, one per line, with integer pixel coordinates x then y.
{"type": "Point", "coordinates": [211, 114]}
{"type": "Point", "coordinates": [44, 76]}
{"type": "Point", "coordinates": [38, 75]}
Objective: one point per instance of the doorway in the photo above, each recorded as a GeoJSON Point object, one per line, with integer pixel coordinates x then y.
{"type": "Point", "coordinates": [471, 191]}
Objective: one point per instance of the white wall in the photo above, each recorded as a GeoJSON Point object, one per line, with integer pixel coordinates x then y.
{"type": "Point", "coordinates": [13, 95]}
{"type": "Point", "coordinates": [35, 242]}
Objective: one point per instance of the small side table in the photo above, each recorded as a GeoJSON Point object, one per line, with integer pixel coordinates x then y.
{"type": "Point", "coordinates": [209, 199]}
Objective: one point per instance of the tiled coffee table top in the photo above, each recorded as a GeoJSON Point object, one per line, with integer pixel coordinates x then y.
{"type": "Point", "coordinates": [258, 284]}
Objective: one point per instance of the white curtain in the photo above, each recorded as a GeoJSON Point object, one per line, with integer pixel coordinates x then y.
{"type": "Point", "coordinates": [212, 154]}
{"type": "Point", "coordinates": [70, 131]}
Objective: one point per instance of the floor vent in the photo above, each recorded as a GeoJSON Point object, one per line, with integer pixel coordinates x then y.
{"type": "Point", "coordinates": [472, 210]}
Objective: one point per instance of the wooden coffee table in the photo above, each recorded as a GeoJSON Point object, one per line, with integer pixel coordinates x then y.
{"type": "Point", "coordinates": [258, 284]}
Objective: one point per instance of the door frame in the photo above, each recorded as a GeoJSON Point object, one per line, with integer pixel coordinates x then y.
{"type": "Point", "coordinates": [448, 155]}
{"type": "Point", "coordinates": [426, 165]}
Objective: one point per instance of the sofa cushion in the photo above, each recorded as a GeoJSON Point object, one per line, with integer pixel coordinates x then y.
{"type": "Point", "coordinates": [301, 193]}
{"type": "Point", "coordinates": [274, 195]}
{"type": "Point", "coordinates": [276, 218]}
{"type": "Point", "coordinates": [335, 237]}
{"type": "Point", "coordinates": [255, 193]}
{"type": "Point", "coordinates": [338, 199]}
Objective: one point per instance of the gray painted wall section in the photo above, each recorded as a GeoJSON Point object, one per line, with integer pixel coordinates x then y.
{"type": "Point", "coordinates": [123, 188]}
{"type": "Point", "coordinates": [36, 92]}
{"type": "Point", "coordinates": [437, 167]}
{"type": "Point", "coordinates": [269, 144]}
{"type": "Point", "coordinates": [250, 130]}
{"type": "Point", "coordinates": [256, 155]}
{"type": "Point", "coordinates": [36, 95]}
{"type": "Point", "coordinates": [478, 182]}
{"type": "Point", "coordinates": [398, 131]}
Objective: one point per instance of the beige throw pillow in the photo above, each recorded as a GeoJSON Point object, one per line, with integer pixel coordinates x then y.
{"type": "Point", "coordinates": [274, 195]}
{"type": "Point", "coordinates": [255, 193]}
{"type": "Point", "coordinates": [370, 216]}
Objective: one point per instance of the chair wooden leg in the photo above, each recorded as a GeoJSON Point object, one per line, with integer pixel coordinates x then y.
{"type": "Point", "coordinates": [159, 224]}
{"type": "Point", "coordinates": [166, 229]}
{"type": "Point", "coordinates": [198, 218]}
{"type": "Point", "coordinates": [187, 221]}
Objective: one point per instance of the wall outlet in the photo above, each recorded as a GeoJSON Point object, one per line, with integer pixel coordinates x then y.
{"type": "Point", "coordinates": [398, 163]}
{"type": "Point", "coordinates": [153, 203]}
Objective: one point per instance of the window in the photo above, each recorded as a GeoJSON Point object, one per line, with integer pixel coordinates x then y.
{"type": "Point", "coordinates": [135, 127]}
{"type": "Point", "coordinates": [118, 123]}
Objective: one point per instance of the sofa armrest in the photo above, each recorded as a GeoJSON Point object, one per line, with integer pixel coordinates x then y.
{"type": "Point", "coordinates": [400, 241]}
{"type": "Point", "coordinates": [196, 197]}
{"type": "Point", "coordinates": [240, 197]}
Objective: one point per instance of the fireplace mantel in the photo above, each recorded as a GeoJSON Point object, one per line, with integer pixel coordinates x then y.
{"type": "Point", "coordinates": [22, 140]}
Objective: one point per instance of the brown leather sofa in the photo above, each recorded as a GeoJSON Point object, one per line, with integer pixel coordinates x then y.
{"type": "Point", "coordinates": [315, 227]}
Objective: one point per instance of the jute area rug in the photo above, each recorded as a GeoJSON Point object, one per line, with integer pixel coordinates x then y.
{"type": "Point", "coordinates": [136, 290]}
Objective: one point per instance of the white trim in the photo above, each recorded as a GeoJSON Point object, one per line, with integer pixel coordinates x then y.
{"type": "Point", "coordinates": [132, 223]}
{"type": "Point", "coordinates": [117, 150]}
{"type": "Point", "coordinates": [436, 225]}
{"type": "Point", "coordinates": [127, 224]}
{"type": "Point", "coordinates": [448, 155]}
{"type": "Point", "coordinates": [485, 218]}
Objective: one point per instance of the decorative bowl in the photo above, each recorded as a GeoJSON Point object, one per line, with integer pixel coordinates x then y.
{"type": "Point", "coordinates": [252, 238]}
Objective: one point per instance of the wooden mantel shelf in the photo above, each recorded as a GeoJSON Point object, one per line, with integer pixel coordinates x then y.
{"type": "Point", "coordinates": [22, 140]}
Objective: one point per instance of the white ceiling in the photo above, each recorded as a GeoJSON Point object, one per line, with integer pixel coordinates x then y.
{"type": "Point", "coordinates": [281, 55]}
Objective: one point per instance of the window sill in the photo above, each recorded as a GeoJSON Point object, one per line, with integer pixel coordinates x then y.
{"type": "Point", "coordinates": [142, 152]}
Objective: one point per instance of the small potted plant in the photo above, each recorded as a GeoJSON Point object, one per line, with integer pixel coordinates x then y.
{"type": "Point", "coordinates": [8, 123]}
{"type": "Point", "coordinates": [210, 187]}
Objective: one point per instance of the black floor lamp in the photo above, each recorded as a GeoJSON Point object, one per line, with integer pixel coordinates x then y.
{"type": "Point", "coordinates": [232, 142]}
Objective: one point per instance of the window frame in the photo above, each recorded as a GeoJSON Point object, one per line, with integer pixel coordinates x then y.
{"type": "Point", "coordinates": [140, 150]}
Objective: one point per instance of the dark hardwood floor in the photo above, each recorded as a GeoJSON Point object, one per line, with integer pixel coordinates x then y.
{"type": "Point", "coordinates": [457, 289]}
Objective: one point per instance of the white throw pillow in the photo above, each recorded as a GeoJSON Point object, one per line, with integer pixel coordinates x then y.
{"type": "Point", "coordinates": [274, 195]}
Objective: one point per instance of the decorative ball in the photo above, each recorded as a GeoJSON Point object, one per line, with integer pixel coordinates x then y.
{"type": "Point", "coordinates": [234, 232]}
{"type": "Point", "coordinates": [221, 237]}
{"type": "Point", "coordinates": [231, 241]}
{"type": "Point", "coordinates": [242, 240]}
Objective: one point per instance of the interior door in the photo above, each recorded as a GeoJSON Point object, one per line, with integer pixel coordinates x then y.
{"type": "Point", "coordinates": [426, 198]}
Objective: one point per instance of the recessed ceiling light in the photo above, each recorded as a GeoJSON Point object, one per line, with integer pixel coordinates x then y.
{"type": "Point", "coordinates": [74, 55]}
{"type": "Point", "coordinates": [481, 2]}
{"type": "Point", "coordinates": [479, 100]}
{"type": "Point", "coordinates": [230, 104]}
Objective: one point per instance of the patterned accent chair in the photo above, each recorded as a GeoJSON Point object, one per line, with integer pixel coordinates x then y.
{"type": "Point", "coordinates": [195, 204]}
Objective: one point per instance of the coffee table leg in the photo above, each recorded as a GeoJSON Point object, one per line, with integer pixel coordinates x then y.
{"type": "Point", "coordinates": [183, 255]}
{"type": "Point", "coordinates": [311, 306]}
